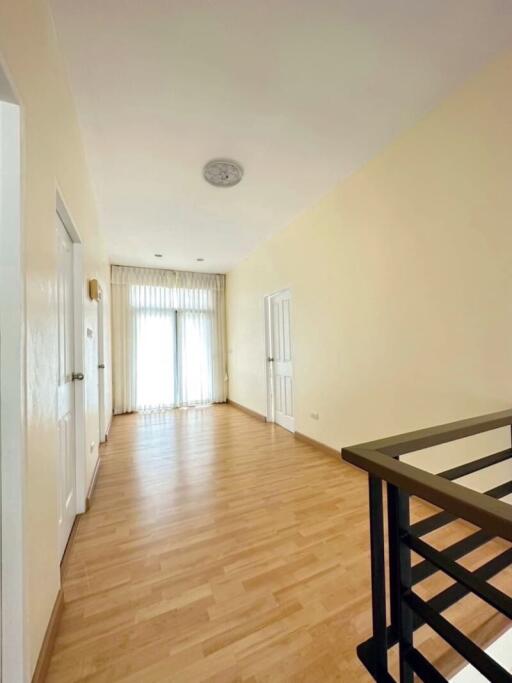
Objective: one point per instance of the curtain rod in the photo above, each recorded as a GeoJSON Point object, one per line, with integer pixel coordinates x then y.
{"type": "Point", "coordinates": [169, 270]}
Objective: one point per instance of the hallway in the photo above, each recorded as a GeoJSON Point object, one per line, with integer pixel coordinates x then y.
{"type": "Point", "coordinates": [219, 548]}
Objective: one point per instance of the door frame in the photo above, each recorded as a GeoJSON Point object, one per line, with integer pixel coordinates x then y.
{"type": "Point", "coordinates": [101, 371]}
{"type": "Point", "coordinates": [79, 349]}
{"type": "Point", "coordinates": [270, 415]}
{"type": "Point", "coordinates": [13, 413]}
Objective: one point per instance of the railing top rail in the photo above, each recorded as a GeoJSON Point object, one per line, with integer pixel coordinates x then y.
{"type": "Point", "coordinates": [433, 436]}
{"type": "Point", "coordinates": [486, 512]}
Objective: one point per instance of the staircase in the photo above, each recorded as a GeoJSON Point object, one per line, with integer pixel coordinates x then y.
{"type": "Point", "coordinates": [438, 615]}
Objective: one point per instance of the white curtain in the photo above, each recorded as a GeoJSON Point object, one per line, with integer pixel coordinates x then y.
{"type": "Point", "coordinates": [168, 339]}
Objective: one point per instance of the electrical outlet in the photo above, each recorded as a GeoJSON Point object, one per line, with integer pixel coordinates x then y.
{"type": "Point", "coordinates": [314, 416]}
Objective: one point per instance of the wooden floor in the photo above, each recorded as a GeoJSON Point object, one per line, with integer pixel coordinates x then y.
{"type": "Point", "coordinates": [219, 548]}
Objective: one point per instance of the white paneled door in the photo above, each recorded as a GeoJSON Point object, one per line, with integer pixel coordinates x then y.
{"type": "Point", "coordinates": [279, 360]}
{"type": "Point", "coordinates": [66, 393]}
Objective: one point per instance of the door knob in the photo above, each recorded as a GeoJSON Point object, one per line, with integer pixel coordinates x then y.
{"type": "Point", "coordinates": [270, 360]}
{"type": "Point", "coordinates": [77, 375]}
{"type": "Point", "coordinates": [101, 366]}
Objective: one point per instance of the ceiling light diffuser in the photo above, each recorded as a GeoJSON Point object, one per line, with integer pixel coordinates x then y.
{"type": "Point", "coordinates": [223, 172]}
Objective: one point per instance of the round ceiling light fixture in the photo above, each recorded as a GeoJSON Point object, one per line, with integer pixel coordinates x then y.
{"type": "Point", "coordinates": [223, 172]}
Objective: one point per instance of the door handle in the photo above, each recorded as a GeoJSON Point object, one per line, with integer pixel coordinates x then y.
{"type": "Point", "coordinates": [77, 375]}
{"type": "Point", "coordinates": [270, 360]}
{"type": "Point", "coordinates": [101, 366]}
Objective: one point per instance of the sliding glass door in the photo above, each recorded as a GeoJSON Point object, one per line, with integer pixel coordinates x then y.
{"type": "Point", "coordinates": [194, 357]}
{"type": "Point", "coordinates": [156, 380]}
{"type": "Point", "coordinates": [174, 358]}
{"type": "Point", "coordinates": [168, 339]}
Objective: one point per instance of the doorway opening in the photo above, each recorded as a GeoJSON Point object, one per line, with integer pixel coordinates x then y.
{"type": "Point", "coordinates": [13, 651]}
{"type": "Point", "coordinates": [71, 389]}
{"type": "Point", "coordinates": [279, 359]}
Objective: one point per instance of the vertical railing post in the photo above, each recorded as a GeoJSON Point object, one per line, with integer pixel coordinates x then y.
{"type": "Point", "coordinates": [405, 630]}
{"type": "Point", "coordinates": [394, 559]}
{"type": "Point", "coordinates": [378, 575]}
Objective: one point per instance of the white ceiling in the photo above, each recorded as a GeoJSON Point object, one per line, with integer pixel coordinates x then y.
{"type": "Point", "coordinates": [300, 92]}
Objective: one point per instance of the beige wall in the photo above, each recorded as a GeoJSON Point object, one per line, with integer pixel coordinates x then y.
{"type": "Point", "coordinates": [401, 281]}
{"type": "Point", "coordinates": [52, 155]}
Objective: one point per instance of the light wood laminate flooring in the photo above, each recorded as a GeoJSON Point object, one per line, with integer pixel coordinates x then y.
{"type": "Point", "coordinates": [220, 548]}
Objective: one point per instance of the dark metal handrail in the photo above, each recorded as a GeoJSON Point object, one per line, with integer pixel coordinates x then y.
{"type": "Point", "coordinates": [373, 457]}
{"type": "Point", "coordinates": [433, 436]}
{"type": "Point", "coordinates": [487, 513]}
{"type": "Point", "coordinates": [407, 611]}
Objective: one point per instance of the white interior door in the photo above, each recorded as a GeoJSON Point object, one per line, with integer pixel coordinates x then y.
{"type": "Point", "coordinates": [279, 345]}
{"type": "Point", "coordinates": [66, 392]}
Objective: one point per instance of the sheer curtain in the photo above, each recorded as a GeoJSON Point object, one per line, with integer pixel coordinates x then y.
{"type": "Point", "coordinates": [168, 339]}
